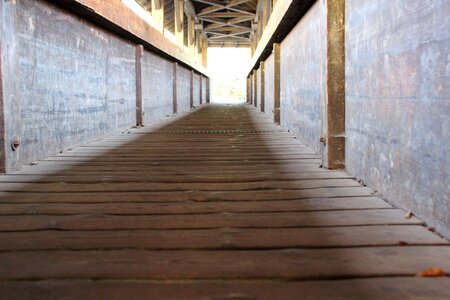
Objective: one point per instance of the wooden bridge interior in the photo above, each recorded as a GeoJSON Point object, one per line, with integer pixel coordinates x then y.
{"type": "Point", "coordinates": [123, 180]}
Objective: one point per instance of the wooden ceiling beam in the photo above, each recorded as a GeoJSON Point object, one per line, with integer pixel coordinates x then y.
{"type": "Point", "coordinates": [224, 36]}
{"type": "Point", "coordinates": [221, 22]}
{"type": "Point", "coordinates": [215, 26]}
{"type": "Point", "coordinates": [210, 2]}
{"type": "Point", "coordinates": [226, 14]}
{"type": "Point", "coordinates": [230, 6]}
{"type": "Point", "coordinates": [228, 29]}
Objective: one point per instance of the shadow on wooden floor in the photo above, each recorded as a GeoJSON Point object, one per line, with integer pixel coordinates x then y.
{"type": "Point", "coordinates": [217, 204]}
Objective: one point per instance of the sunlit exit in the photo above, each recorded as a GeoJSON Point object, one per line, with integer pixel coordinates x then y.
{"type": "Point", "coordinates": [228, 67]}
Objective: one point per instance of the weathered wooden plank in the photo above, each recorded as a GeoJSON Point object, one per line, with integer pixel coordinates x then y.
{"type": "Point", "coordinates": [193, 195]}
{"type": "Point", "coordinates": [196, 221]}
{"type": "Point", "coordinates": [147, 186]}
{"type": "Point", "coordinates": [238, 167]}
{"type": "Point", "coordinates": [167, 178]}
{"type": "Point", "coordinates": [189, 160]}
{"type": "Point", "coordinates": [229, 238]}
{"type": "Point", "coordinates": [292, 264]}
{"type": "Point", "coordinates": [369, 289]}
{"type": "Point", "coordinates": [166, 208]}
{"type": "Point", "coordinates": [316, 204]}
{"type": "Point", "coordinates": [185, 162]}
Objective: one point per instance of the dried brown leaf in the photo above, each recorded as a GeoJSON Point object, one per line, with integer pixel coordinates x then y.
{"type": "Point", "coordinates": [431, 272]}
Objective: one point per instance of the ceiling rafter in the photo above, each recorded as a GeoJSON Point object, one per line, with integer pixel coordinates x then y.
{"type": "Point", "coordinates": [230, 6]}
{"type": "Point", "coordinates": [221, 36]}
{"type": "Point", "coordinates": [214, 20]}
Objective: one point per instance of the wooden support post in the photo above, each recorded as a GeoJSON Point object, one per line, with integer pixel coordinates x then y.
{"type": "Point", "coordinates": [252, 43]}
{"type": "Point", "coordinates": [138, 68]}
{"type": "Point", "coordinates": [333, 137]}
{"type": "Point", "coordinates": [255, 88]}
{"type": "Point", "coordinates": [269, 7]}
{"type": "Point", "coordinates": [198, 46]}
{"type": "Point", "coordinates": [175, 96]}
{"type": "Point", "coordinates": [179, 21]}
{"type": "Point", "coordinates": [252, 98]}
{"type": "Point", "coordinates": [208, 87]}
{"type": "Point", "coordinates": [158, 14]}
{"type": "Point", "coordinates": [247, 86]}
{"type": "Point", "coordinates": [2, 99]}
{"type": "Point", "coordinates": [262, 86]}
{"type": "Point", "coordinates": [201, 89]}
{"type": "Point", "coordinates": [10, 102]}
{"type": "Point", "coordinates": [191, 96]}
{"type": "Point", "coordinates": [191, 36]}
{"type": "Point", "coordinates": [264, 14]}
{"type": "Point", "coordinates": [276, 84]}
{"type": "Point", "coordinates": [204, 52]}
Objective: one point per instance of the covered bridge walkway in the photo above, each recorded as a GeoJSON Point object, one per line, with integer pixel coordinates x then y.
{"type": "Point", "coordinates": [218, 203]}
{"type": "Point", "coordinates": [120, 179]}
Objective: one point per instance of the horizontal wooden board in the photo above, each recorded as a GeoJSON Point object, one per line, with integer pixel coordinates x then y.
{"type": "Point", "coordinates": [181, 186]}
{"type": "Point", "coordinates": [167, 178]}
{"type": "Point", "coordinates": [392, 288]}
{"type": "Point", "coordinates": [185, 209]}
{"type": "Point", "coordinates": [171, 196]}
{"type": "Point", "coordinates": [130, 208]}
{"type": "Point", "coordinates": [223, 238]}
{"type": "Point", "coordinates": [289, 264]}
{"type": "Point", "coordinates": [219, 220]}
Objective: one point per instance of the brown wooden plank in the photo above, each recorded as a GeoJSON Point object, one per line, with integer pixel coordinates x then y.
{"type": "Point", "coordinates": [292, 264]}
{"type": "Point", "coordinates": [181, 186]}
{"type": "Point", "coordinates": [225, 219]}
{"type": "Point", "coordinates": [175, 196]}
{"type": "Point", "coordinates": [160, 213]}
{"type": "Point", "coordinates": [149, 168]}
{"type": "Point", "coordinates": [369, 289]}
{"type": "Point", "coordinates": [226, 238]}
{"type": "Point", "coordinates": [316, 204]}
{"type": "Point", "coordinates": [146, 177]}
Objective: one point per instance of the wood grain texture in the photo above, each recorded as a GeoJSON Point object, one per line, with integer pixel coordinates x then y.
{"type": "Point", "coordinates": [240, 210]}
{"type": "Point", "coordinates": [371, 289]}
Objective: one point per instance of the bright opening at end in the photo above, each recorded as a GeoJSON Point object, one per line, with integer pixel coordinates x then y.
{"type": "Point", "coordinates": [228, 67]}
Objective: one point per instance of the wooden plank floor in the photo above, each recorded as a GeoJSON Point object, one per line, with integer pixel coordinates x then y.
{"type": "Point", "coordinates": [216, 204]}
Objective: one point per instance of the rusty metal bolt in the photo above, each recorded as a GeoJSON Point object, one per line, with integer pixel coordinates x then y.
{"type": "Point", "coordinates": [15, 144]}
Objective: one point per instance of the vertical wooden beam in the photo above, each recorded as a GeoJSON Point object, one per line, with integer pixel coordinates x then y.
{"type": "Point", "coordinates": [334, 114]}
{"type": "Point", "coordinates": [247, 89]}
{"type": "Point", "coordinates": [204, 52]}
{"type": "Point", "coordinates": [262, 85]}
{"type": "Point", "coordinates": [10, 102]}
{"type": "Point", "coordinates": [264, 14]}
{"type": "Point", "coordinates": [208, 87]}
{"type": "Point", "coordinates": [191, 96]}
{"type": "Point", "coordinates": [201, 89]}
{"type": "Point", "coordinates": [179, 21]}
{"type": "Point", "coordinates": [175, 96]}
{"type": "Point", "coordinates": [251, 89]}
{"type": "Point", "coordinates": [252, 44]}
{"type": "Point", "coordinates": [250, 92]}
{"type": "Point", "coordinates": [138, 68]}
{"type": "Point", "coordinates": [276, 83]}
{"type": "Point", "coordinates": [158, 14]}
{"type": "Point", "coordinates": [198, 46]}
{"type": "Point", "coordinates": [2, 99]}
{"type": "Point", "coordinates": [191, 36]}
{"type": "Point", "coordinates": [255, 88]}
